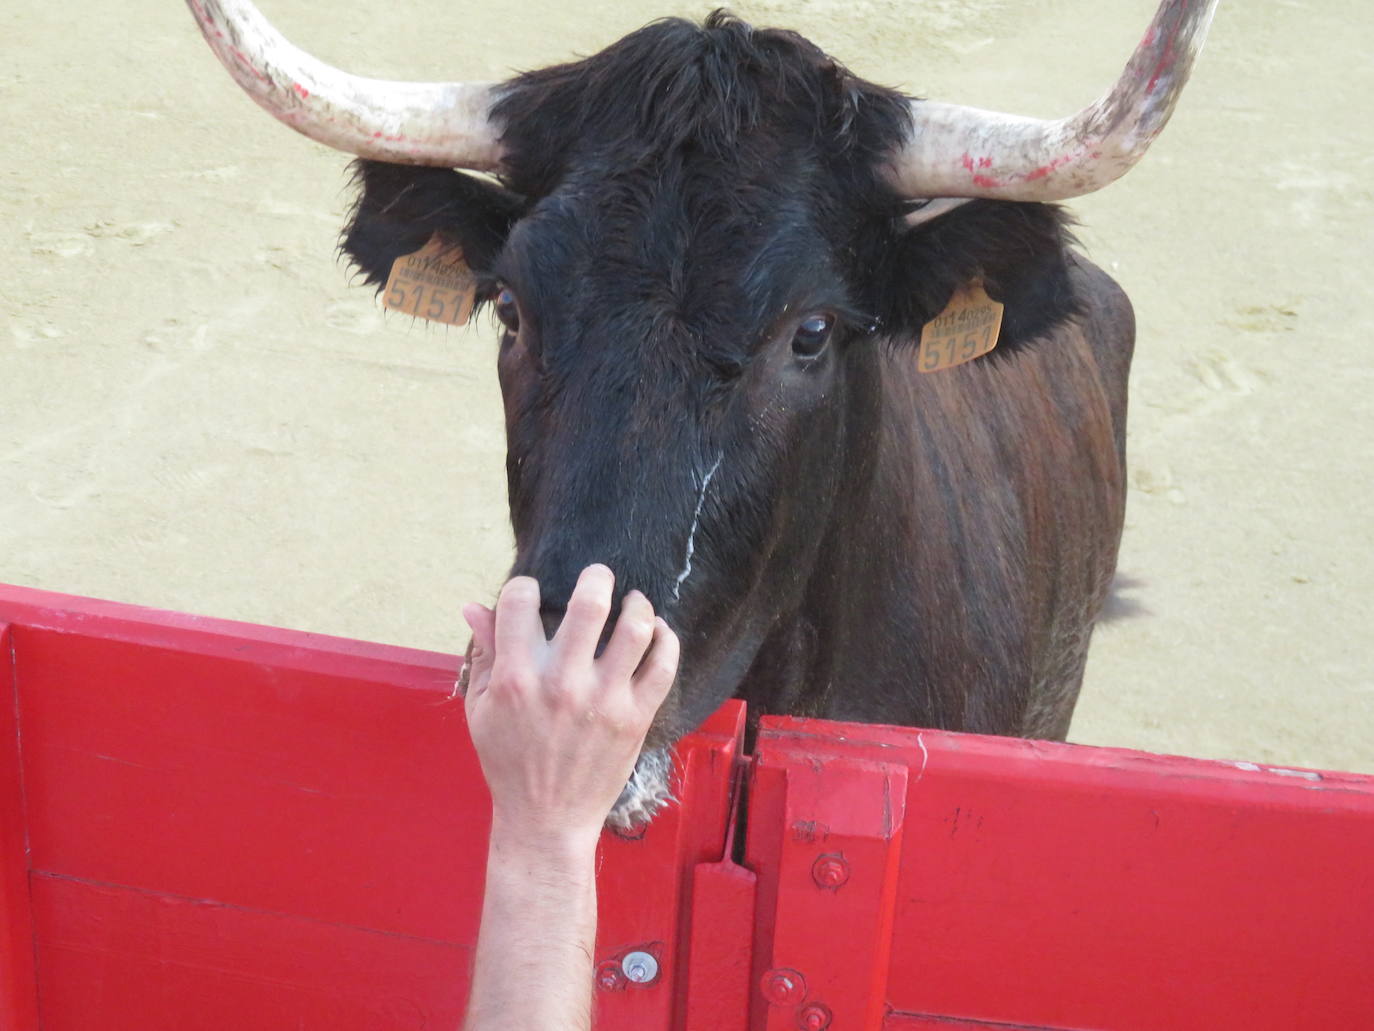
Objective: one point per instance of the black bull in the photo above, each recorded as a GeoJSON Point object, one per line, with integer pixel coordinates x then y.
{"type": "Point", "coordinates": [711, 302]}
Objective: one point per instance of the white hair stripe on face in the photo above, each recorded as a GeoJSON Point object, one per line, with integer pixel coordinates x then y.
{"type": "Point", "coordinates": [692, 534]}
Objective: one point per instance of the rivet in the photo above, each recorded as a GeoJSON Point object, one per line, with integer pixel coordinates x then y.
{"type": "Point", "coordinates": [830, 870]}
{"type": "Point", "coordinates": [815, 1017]}
{"type": "Point", "coordinates": [639, 967]}
{"type": "Point", "coordinates": [782, 986]}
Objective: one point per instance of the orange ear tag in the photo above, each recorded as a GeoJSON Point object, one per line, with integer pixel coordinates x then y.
{"type": "Point", "coordinates": [966, 329]}
{"type": "Point", "coordinates": [434, 283]}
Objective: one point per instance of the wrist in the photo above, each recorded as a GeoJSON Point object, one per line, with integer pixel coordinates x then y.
{"type": "Point", "coordinates": [548, 843]}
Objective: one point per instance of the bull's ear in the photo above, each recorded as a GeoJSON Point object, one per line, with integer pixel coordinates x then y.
{"type": "Point", "coordinates": [1019, 251]}
{"type": "Point", "coordinates": [399, 207]}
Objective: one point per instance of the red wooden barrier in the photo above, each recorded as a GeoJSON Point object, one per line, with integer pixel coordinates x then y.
{"type": "Point", "coordinates": [216, 826]}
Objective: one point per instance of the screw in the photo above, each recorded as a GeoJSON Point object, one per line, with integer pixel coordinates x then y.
{"type": "Point", "coordinates": [815, 1017]}
{"type": "Point", "coordinates": [608, 976]}
{"type": "Point", "coordinates": [830, 870]}
{"type": "Point", "coordinates": [783, 987]}
{"type": "Point", "coordinates": [639, 967]}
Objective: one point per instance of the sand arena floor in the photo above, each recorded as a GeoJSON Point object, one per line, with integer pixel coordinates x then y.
{"type": "Point", "coordinates": [198, 412]}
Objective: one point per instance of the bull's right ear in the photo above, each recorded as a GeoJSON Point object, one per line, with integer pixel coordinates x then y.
{"type": "Point", "coordinates": [399, 207]}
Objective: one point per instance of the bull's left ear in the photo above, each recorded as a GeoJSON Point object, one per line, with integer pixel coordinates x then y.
{"type": "Point", "coordinates": [400, 207]}
{"type": "Point", "coordinates": [1019, 251]}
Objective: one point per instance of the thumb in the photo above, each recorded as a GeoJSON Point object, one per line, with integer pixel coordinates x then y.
{"type": "Point", "coordinates": [482, 649]}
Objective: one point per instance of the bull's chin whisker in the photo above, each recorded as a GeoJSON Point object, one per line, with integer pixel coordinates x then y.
{"type": "Point", "coordinates": [647, 791]}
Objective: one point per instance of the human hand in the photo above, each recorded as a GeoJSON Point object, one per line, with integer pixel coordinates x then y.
{"type": "Point", "coordinates": [556, 728]}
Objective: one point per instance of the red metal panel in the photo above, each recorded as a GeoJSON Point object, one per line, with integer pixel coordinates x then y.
{"type": "Point", "coordinates": [271, 781]}
{"type": "Point", "coordinates": [1048, 885]}
{"type": "Point", "coordinates": [825, 835]}
{"type": "Point", "coordinates": [115, 959]}
{"type": "Point", "coordinates": [18, 988]}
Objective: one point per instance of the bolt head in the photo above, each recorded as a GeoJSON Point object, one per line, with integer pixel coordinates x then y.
{"type": "Point", "coordinates": [783, 986]}
{"type": "Point", "coordinates": [830, 870]}
{"type": "Point", "coordinates": [639, 967]}
{"type": "Point", "coordinates": [815, 1017]}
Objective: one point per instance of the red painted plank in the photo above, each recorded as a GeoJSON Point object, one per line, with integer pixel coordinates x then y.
{"type": "Point", "coordinates": [183, 771]}
{"type": "Point", "coordinates": [115, 959]}
{"type": "Point", "coordinates": [18, 987]}
{"type": "Point", "coordinates": [1057, 886]}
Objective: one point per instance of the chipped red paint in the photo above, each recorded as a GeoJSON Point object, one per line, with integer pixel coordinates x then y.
{"type": "Point", "coordinates": [988, 181]}
{"type": "Point", "coordinates": [985, 162]}
{"type": "Point", "coordinates": [967, 161]}
{"type": "Point", "coordinates": [301, 90]}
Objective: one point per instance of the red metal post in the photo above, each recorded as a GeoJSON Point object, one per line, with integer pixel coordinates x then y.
{"type": "Point", "coordinates": [825, 835]}
{"type": "Point", "coordinates": [646, 882]}
{"type": "Point", "coordinates": [722, 944]}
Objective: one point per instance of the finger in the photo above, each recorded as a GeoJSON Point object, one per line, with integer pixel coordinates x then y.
{"type": "Point", "coordinates": [657, 672]}
{"type": "Point", "coordinates": [482, 648]}
{"type": "Point", "coordinates": [575, 643]}
{"type": "Point", "coordinates": [518, 635]}
{"type": "Point", "coordinates": [634, 629]}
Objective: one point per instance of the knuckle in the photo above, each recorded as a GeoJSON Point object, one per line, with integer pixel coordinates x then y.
{"type": "Point", "coordinates": [589, 603]}
{"type": "Point", "coordinates": [521, 588]}
{"type": "Point", "coordinates": [635, 628]}
{"type": "Point", "coordinates": [512, 682]}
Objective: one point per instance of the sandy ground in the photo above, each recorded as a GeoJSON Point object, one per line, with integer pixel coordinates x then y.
{"type": "Point", "coordinates": [198, 412]}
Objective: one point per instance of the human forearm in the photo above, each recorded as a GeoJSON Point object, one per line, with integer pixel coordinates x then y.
{"type": "Point", "coordinates": [534, 952]}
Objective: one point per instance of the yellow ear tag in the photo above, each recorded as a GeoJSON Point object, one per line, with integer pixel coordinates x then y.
{"type": "Point", "coordinates": [967, 328]}
{"type": "Point", "coordinates": [434, 283]}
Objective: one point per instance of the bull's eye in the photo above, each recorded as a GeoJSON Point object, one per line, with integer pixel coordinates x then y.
{"type": "Point", "coordinates": [508, 310]}
{"type": "Point", "coordinates": [812, 335]}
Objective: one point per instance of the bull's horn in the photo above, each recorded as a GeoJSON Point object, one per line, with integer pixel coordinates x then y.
{"type": "Point", "coordinates": [958, 151]}
{"type": "Point", "coordinates": [412, 123]}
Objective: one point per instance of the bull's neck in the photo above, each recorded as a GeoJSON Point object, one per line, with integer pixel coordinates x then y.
{"type": "Point", "coordinates": [814, 652]}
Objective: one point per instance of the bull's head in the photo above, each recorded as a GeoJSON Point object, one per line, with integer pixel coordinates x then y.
{"type": "Point", "coordinates": [698, 237]}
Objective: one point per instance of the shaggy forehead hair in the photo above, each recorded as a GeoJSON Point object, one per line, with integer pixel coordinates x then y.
{"type": "Point", "coordinates": [708, 89]}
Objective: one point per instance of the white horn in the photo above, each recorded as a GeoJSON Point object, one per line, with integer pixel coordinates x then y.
{"type": "Point", "coordinates": [412, 123]}
{"type": "Point", "coordinates": [958, 151]}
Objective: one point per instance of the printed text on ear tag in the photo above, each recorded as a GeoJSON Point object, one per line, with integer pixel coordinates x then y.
{"type": "Point", "coordinates": [967, 328]}
{"type": "Point", "coordinates": [434, 283]}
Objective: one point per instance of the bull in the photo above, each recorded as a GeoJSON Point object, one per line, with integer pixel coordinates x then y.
{"type": "Point", "coordinates": [712, 250]}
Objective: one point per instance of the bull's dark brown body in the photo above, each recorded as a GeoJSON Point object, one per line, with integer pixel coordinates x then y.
{"type": "Point", "coordinates": [961, 590]}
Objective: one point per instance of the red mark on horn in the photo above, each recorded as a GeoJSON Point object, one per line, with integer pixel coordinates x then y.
{"type": "Point", "coordinates": [244, 60]}
{"type": "Point", "coordinates": [985, 162]}
{"type": "Point", "coordinates": [987, 182]}
{"type": "Point", "coordinates": [1054, 165]}
{"type": "Point", "coordinates": [967, 161]}
{"type": "Point", "coordinates": [304, 93]}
